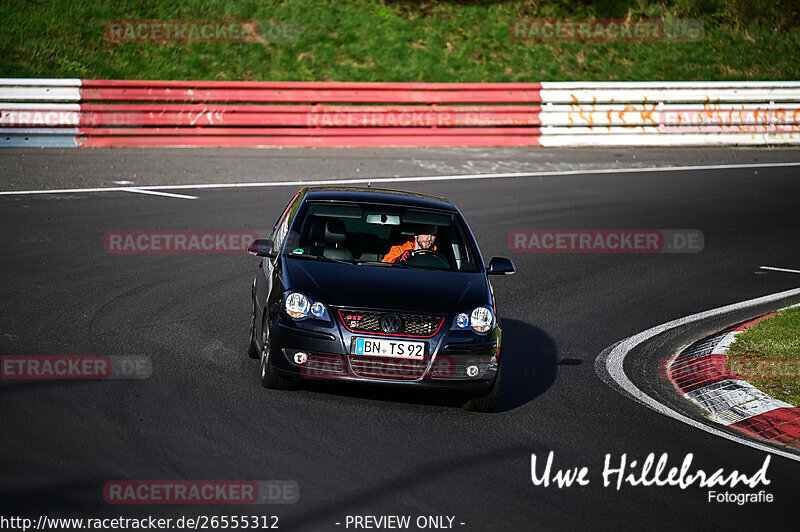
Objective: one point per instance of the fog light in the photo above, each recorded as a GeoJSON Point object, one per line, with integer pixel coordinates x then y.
{"type": "Point", "coordinates": [300, 357]}
{"type": "Point", "coordinates": [472, 371]}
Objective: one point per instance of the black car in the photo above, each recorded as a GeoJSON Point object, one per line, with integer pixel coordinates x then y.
{"type": "Point", "coordinates": [340, 294]}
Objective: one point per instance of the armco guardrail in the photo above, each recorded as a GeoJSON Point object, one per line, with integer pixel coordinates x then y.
{"type": "Point", "coordinates": [89, 113]}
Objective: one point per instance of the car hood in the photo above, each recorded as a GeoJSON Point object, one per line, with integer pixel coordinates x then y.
{"type": "Point", "coordinates": [401, 289]}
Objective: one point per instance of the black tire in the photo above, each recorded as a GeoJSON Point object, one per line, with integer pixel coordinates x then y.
{"type": "Point", "coordinates": [252, 348]}
{"type": "Point", "coordinates": [486, 402]}
{"type": "Point", "coordinates": [270, 379]}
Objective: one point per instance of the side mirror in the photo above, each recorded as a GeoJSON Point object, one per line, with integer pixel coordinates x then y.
{"type": "Point", "coordinates": [263, 247]}
{"type": "Point", "coordinates": [501, 266]}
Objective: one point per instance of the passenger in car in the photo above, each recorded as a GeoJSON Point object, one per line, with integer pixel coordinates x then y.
{"type": "Point", "coordinates": [424, 238]}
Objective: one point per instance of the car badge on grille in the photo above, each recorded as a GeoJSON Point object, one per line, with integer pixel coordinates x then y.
{"type": "Point", "coordinates": [390, 323]}
{"type": "Point", "coordinates": [352, 320]}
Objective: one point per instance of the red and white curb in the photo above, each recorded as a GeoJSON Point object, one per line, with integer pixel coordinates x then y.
{"type": "Point", "coordinates": [610, 367]}
{"type": "Point", "coordinates": [701, 373]}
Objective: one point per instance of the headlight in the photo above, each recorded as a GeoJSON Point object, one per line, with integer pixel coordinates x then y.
{"type": "Point", "coordinates": [318, 311]}
{"type": "Point", "coordinates": [481, 320]}
{"type": "Point", "coordinates": [299, 307]}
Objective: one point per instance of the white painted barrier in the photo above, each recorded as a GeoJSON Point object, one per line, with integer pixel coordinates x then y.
{"type": "Point", "coordinates": [675, 113]}
{"type": "Point", "coordinates": [41, 90]}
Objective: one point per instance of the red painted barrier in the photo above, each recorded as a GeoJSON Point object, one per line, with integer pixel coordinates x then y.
{"type": "Point", "coordinates": [311, 141]}
{"type": "Point", "coordinates": [94, 137]}
{"type": "Point", "coordinates": [213, 113]}
{"type": "Point", "coordinates": [311, 95]}
{"type": "Point", "coordinates": [372, 132]}
{"type": "Point", "coordinates": [217, 115]}
{"type": "Point", "coordinates": [341, 85]}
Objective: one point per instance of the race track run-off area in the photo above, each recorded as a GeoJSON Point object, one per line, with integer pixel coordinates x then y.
{"type": "Point", "coordinates": [200, 413]}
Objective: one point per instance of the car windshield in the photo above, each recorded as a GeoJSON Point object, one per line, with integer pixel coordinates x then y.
{"type": "Point", "coordinates": [364, 233]}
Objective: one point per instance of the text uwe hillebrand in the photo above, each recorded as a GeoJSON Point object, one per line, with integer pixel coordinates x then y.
{"type": "Point", "coordinates": [659, 472]}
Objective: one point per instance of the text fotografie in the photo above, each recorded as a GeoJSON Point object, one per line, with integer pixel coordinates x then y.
{"type": "Point", "coordinates": [647, 473]}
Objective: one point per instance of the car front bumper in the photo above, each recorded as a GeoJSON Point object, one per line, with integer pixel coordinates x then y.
{"type": "Point", "coordinates": [454, 360]}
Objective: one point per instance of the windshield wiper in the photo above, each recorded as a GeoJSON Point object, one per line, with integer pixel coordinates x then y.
{"type": "Point", "coordinates": [414, 267]}
{"type": "Point", "coordinates": [321, 258]}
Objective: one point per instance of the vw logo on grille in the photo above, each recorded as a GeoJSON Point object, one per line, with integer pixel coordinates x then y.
{"type": "Point", "coordinates": [391, 323]}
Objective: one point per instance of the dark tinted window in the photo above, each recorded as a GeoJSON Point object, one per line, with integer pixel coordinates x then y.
{"type": "Point", "coordinates": [281, 228]}
{"type": "Point", "coordinates": [364, 233]}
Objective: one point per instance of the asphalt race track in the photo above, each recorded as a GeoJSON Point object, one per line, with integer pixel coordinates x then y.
{"type": "Point", "coordinates": [362, 451]}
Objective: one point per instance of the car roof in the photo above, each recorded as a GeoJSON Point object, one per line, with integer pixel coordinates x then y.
{"type": "Point", "coordinates": [378, 195]}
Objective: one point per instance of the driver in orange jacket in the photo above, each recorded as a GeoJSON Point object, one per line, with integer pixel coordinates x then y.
{"type": "Point", "coordinates": [424, 237]}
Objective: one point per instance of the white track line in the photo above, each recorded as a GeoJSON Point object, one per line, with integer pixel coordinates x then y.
{"type": "Point", "coordinates": [154, 193]}
{"type": "Point", "coordinates": [366, 180]}
{"type": "Point", "coordinates": [772, 268]}
{"type": "Point", "coordinates": [612, 360]}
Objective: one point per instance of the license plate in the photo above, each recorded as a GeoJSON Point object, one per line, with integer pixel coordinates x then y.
{"type": "Point", "coordinates": [388, 348]}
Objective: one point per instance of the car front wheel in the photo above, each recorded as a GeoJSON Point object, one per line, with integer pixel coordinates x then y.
{"type": "Point", "coordinates": [486, 402]}
{"type": "Point", "coordinates": [270, 379]}
{"type": "Point", "coordinates": [252, 348]}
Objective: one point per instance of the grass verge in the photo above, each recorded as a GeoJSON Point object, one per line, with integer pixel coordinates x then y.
{"type": "Point", "coordinates": [401, 40]}
{"type": "Point", "coordinates": [768, 355]}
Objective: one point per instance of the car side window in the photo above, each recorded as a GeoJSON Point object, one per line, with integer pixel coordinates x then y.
{"type": "Point", "coordinates": [282, 225]}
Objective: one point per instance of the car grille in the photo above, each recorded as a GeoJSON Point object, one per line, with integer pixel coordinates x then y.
{"type": "Point", "coordinates": [369, 322]}
{"type": "Point", "coordinates": [387, 368]}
